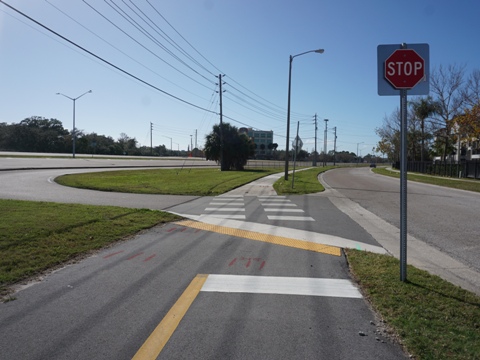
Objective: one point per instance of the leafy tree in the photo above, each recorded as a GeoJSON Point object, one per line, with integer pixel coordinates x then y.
{"type": "Point", "coordinates": [127, 144]}
{"type": "Point", "coordinates": [302, 155]}
{"type": "Point", "coordinates": [389, 134]}
{"type": "Point", "coordinates": [35, 134]}
{"type": "Point", "coordinates": [237, 148]}
{"type": "Point", "coordinates": [469, 126]}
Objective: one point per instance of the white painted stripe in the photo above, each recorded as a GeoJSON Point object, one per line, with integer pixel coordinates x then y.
{"type": "Point", "coordinates": [229, 196]}
{"type": "Point", "coordinates": [226, 216]}
{"type": "Point", "coordinates": [263, 201]}
{"type": "Point", "coordinates": [227, 203]}
{"type": "Point", "coordinates": [224, 209]}
{"type": "Point", "coordinates": [283, 210]}
{"type": "Point", "coordinates": [281, 285]}
{"type": "Point", "coordinates": [278, 204]}
{"type": "Point", "coordinates": [270, 197]}
{"type": "Point", "coordinates": [294, 218]}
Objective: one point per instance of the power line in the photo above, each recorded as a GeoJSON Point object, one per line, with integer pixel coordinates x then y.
{"type": "Point", "coordinates": [105, 61]}
{"type": "Point", "coordinates": [170, 40]}
{"type": "Point", "coordinates": [119, 50]}
{"type": "Point", "coordinates": [282, 111]}
{"type": "Point", "coordinates": [147, 34]}
{"type": "Point", "coordinates": [143, 46]}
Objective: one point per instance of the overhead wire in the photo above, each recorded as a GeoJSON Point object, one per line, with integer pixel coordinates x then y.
{"type": "Point", "coordinates": [103, 60]}
{"type": "Point", "coordinates": [144, 47]}
{"type": "Point", "coordinates": [271, 105]}
{"type": "Point", "coordinates": [141, 29]}
{"type": "Point", "coordinates": [170, 40]}
{"type": "Point", "coordinates": [121, 51]}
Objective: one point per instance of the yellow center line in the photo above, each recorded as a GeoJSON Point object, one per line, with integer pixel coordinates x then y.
{"type": "Point", "coordinates": [155, 343]}
{"type": "Point", "coordinates": [273, 239]}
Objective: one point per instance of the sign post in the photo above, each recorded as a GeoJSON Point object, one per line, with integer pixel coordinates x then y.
{"type": "Point", "coordinates": [399, 70]}
{"type": "Point", "coordinates": [297, 144]}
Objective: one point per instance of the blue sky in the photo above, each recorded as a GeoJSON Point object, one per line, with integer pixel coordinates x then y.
{"type": "Point", "coordinates": [247, 41]}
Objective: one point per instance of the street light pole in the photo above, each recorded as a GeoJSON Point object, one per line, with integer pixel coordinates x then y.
{"type": "Point", "coordinates": [168, 137]}
{"type": "Point", "coordinates": [319, 51]}
{"type": "Point", "coordinates": [74, 132]}
{"type": "Point", "coordinates": [325, 144]}
{"type": "Point", "coordinates": [358, 160]}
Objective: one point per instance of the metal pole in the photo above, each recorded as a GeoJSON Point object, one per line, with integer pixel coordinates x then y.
{"type": "Point", "coordinates": [74, 134]}
{"type": "Point", "coordinates": [288, 117]}
{"type": "Point", "coordinates": [315, 154]}
{"type": "Point", "coordinates": [325, 144]}
{"type": "Point", "coordinates": [319, 51]}
{"type": "Point", "coordinates": [222, 166]}
{"type": "Point", "coordinates": [295, 154]}
{"type": "Point", "coordinates": [403, 186]}
{"type": "Point", "coordinates": [335, 147]}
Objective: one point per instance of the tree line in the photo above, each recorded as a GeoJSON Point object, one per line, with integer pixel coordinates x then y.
{"type": "Point", "coordinates": [38, 134]}
{"type": "Point", "coordinates": [439, 124]}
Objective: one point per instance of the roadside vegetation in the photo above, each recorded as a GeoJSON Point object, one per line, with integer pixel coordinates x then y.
{"type": "Point", "coordinates": [197, 182]}
{"type": "Point", "coordinates": [36, 236]}
{"type": "Point", "coordinates": [303, 182]}
{"type": "Point", "coordinates": [432, 318]}
{"type": "Point", "coordinates": [462, 184]}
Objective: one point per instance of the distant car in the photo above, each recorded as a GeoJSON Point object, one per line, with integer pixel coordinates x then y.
{"type": "Point", "coordinates": [373, 165]}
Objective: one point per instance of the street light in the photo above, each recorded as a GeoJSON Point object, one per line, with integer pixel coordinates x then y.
{"type": "Point", "coordinates": [168, 137]}
{"type": "Point", "coordinates": [325, 144]}
{"type": "Point", "coordinates": [74, 133]}
{"type": "Point", "coordinates": [319, 51]}
{"type": "Point", "coordinates": [358, 160]}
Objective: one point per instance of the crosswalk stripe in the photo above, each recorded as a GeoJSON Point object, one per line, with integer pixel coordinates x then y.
{"type": "Point", "coordinates": [343, 288]}
{"type": "Point", "coordinates": [290, 218]}
{"type": "Point", "coordinates": [225, 209]}
{"type": "Point", "coordinates": [284, 210]}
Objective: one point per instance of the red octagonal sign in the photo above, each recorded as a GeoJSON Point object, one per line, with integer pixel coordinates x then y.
{"type": "Point", "coordinates": [404, 69]}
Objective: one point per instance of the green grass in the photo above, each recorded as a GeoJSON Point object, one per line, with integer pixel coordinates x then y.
{"type": "Point", "coordinates": [434, 319]}
{"type": "Point", "coordinates": [463, 184]}
{"type": "Point", "coordinates": [35, 236]}
{"type": "Point", "coordinates": [199, 182]}
{"type": "Point", "coordinates": [306, 182]}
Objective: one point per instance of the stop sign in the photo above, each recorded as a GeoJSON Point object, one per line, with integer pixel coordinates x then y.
{"type": "Point", "coordinates": [404, 69]}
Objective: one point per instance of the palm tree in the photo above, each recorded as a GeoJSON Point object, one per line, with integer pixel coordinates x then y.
{"type": "Point", "coordinates": [423, 109]}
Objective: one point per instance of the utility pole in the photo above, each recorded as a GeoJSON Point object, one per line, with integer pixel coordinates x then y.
{"type": "Point", "coordinates": [221, 123]}
{"type": "Point", "coordinates": [315, 154]}
{"type": "Point", "coordinates": [335, 146]}
{"type": "Point", "coordinates": [325, 144]}
{"type": "Point", "coordinates": [196, 146]}
{"type": "Point", "coordinates": [151, 146]}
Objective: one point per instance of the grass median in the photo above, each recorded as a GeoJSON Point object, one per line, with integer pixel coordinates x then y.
{"type": "Point", "coordinates": [198, 182]}
{"type": "Point", "coordinates": [433, 318]}
{"type": "Point", "coordinates": [462, 184]}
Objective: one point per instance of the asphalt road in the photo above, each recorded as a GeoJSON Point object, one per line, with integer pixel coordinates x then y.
{"type": "Point", "coordinates": [260, 299]}
{"type": "Point", "coordinates": [441, 222]}
{"type": "Point", "coordinates": [444, 218]}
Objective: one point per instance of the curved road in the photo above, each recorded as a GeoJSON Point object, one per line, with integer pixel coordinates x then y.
{"type": "Point", "coordinates": [444, 218]}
